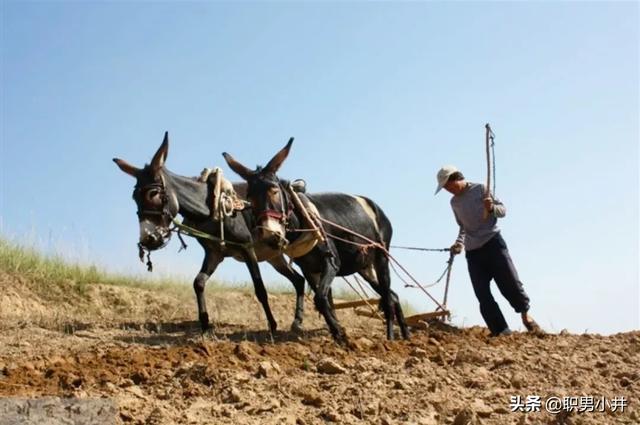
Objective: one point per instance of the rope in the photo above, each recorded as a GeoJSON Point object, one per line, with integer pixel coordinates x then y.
{"type": "Point", "coordinates": [420, 249]}
{"type": "Point", "coordinates": [224, 204]}
{"type": "Point", "coordinates": [444, 273]}
{"type": "Point", "coordinates": [384, 249]}
{"type": "Point", "coordinates": [362, 288]}
{"type": "Point", "coordinates": [373, 310]}
{"type": "Point", "coordinates": [195, 233]}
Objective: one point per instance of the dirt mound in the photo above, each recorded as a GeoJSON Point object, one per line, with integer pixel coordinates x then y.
{"type": "Point", "coordinates": [141, 349]}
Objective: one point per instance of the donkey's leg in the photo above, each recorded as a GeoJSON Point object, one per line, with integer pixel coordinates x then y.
{"type": "Point", "coordinates": [281, 266]}
{"type": "Point", "coordinates": [404, 329]}
{"type": "Point", "coordinates": [390, 301]}
{"type": "Point", "coordinates": [321, 298]}
{"type": "Point", "coordinates": [209, 265]}
{"type": "Point", "coordinates": [369, 274]}
{"type": "Point", "coordinates": [382, 287]}
{"type": "Point", "coordinates": [258, 285]}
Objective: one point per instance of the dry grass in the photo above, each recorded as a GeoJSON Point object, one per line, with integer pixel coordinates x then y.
{"type": "Point", "coordinates": [52, 292]}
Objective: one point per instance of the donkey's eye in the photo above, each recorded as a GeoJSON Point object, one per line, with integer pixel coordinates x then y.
{"type": "Point", "coordinates": [152, 193]}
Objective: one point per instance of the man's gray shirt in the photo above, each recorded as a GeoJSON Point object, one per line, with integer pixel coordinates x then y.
{"type": "Point", "coordinates": [468, 208]}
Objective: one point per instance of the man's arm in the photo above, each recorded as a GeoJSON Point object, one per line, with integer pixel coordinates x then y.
{"type": "Point", "coordinates": [499, 210]}
{"type": "Point", "coordinates": [457, 246]}
{"type": "Point", "coordinates": [493, 205]}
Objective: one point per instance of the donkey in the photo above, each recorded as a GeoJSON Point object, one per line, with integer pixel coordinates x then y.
{"type": "Point", "coordinates": [279, 224]}
{"type": "Point", "coordinates": [161, 195]}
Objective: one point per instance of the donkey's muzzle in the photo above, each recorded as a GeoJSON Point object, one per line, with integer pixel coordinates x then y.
{"type": "Point", "coordinates": [153, 237]}
{"type": "Point", "coordinates": [153, 241]}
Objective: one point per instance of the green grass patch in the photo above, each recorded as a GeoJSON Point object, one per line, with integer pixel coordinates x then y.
{"type": "Point", "coordinates": [44, 270]}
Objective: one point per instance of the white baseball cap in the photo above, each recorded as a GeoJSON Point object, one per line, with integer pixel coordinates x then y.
{"type": "Point", "coordinates": [443, 176]}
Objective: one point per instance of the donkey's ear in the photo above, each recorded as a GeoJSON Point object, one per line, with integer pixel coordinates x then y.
{"type": "Point", "coordinates": [161, 155]}
{"type": "Point", "coordinates": [238, 168]}
{"type": "Point", "coordinates": [274, 165]}
{"type": "Point", "coordinates": [126, 167]}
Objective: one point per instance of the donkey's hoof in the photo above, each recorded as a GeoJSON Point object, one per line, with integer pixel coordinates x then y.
{"type": "Point", "coordinates": [405, 333]}
{"type": "Point", "coordinates": [296, 328]}
{"type": "Point", "coordinates": [273, 327]}
{"type": "Point", "coordinates": [341, 338]}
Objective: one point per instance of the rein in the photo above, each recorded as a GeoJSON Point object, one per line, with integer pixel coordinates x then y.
{"type": "Point", "coordinates": [190, 231]}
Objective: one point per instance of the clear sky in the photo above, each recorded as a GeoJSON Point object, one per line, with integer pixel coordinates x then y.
{"type": "Point", "coordinates": [378, 95]}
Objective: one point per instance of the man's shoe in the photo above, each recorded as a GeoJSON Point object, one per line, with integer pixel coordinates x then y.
{"type": "Point", "coordinates": [504, 332]}
{"type": "Point", "coordinates": [532, 326]}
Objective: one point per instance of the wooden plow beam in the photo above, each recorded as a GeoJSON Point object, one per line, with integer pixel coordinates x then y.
{"type": "Point", "coordinates": [416, 320]}
{"type": "Point", "coordinates": [354, 304]}
{"type": "Point", "coordinates": [420, 320]}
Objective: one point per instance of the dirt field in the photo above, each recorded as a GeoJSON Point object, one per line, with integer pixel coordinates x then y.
{"type": "Point", "coordinates": [141, 349]}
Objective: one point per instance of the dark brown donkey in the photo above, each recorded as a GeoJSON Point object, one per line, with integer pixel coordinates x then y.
{"type": "Point", "coordinates": [279, 223]}
{"type": "Point", "coordinates": [161, 195]}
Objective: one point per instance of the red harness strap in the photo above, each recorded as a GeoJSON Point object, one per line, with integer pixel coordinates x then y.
{"type": "Point", "coordinates": [277, 215]}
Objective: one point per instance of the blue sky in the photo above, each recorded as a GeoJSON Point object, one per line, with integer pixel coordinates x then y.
{"type": "Point", "coordinates": [378, 95]}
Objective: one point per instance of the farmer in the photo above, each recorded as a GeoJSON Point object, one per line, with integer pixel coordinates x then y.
{"type": "Point", "coordinates": [487, 254]}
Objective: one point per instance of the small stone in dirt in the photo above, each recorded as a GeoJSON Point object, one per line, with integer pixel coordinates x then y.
{"type": "Point", "coordinates": [331, 416]}
{"type": "Point", "coordinates": [419, 353]}
{"type": "Point", "coordinates": [140, 377]}
{"type": "Point", "coordinates": [465, 417]}
{"type": "Point", "coordinates": [267, 369]}
{"type": "Point", "coordinates": [576, 383]}
{"type": "Point", "coordinates": [242, 377]}
{"type": "Point", "coordinates": [517, 381]}
{"type": "Point", "coordinates": [269, 406]}
{"type": "Point", "coordinates": [312, 398]}
{"type": "Point", "coordinates": [557, 357]}
{"type": "Point", "coordinates": [370, 363]}
{"type": "Point", "coordinates": [126, 383]}
{"type": "Point", "coordinates": [481, 409]}
{"type": "Point", "coordinates": [434, 341]}
{"type": "Point", "coordinates": [243, 351]}
{"type": "Point", "coordinates": [226, 412]}
{"type": "Point", "coordinates": [136, 391]}
{"type": "Point", "coordinates": [110, 388]}
{"type": "Point", "coordinates": [429, 419]}
{"type": "Point", "coordinates": [364, 343]}
{"type": "Point", "coordinates": [411, 362]}
{"type": "Point", "coordinates": [126, 417]}
{"type": "Point", "coordinates": [501, 410]}
{"type": "Point", "coordinates": [156, 417]}
{"type": "Point", "coordinates": [399, 385]}
{"type": "Point", "coordinates": [233, 395]}
{"type": "Point", "coordinates": [330, 366]}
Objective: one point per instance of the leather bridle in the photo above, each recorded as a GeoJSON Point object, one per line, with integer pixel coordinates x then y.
{"type": "Point", "coordinates": [281, 216]}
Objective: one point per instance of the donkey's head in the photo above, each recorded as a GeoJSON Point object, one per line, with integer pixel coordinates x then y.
{"type": "Point", "coordinates": [157, 204]}
{"type": "Point", "coordinates": [269, 200]}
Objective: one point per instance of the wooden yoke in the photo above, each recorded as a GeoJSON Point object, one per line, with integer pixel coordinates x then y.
{"type": "Point", "coordinates": [297, 202]}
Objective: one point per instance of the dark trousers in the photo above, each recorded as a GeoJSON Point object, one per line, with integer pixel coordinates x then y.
{"type": "Point", "coordinates": [492, 261]}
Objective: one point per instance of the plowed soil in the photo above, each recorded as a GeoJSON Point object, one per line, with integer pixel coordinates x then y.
{"type": "Point", "coordinates": [141, 349]}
